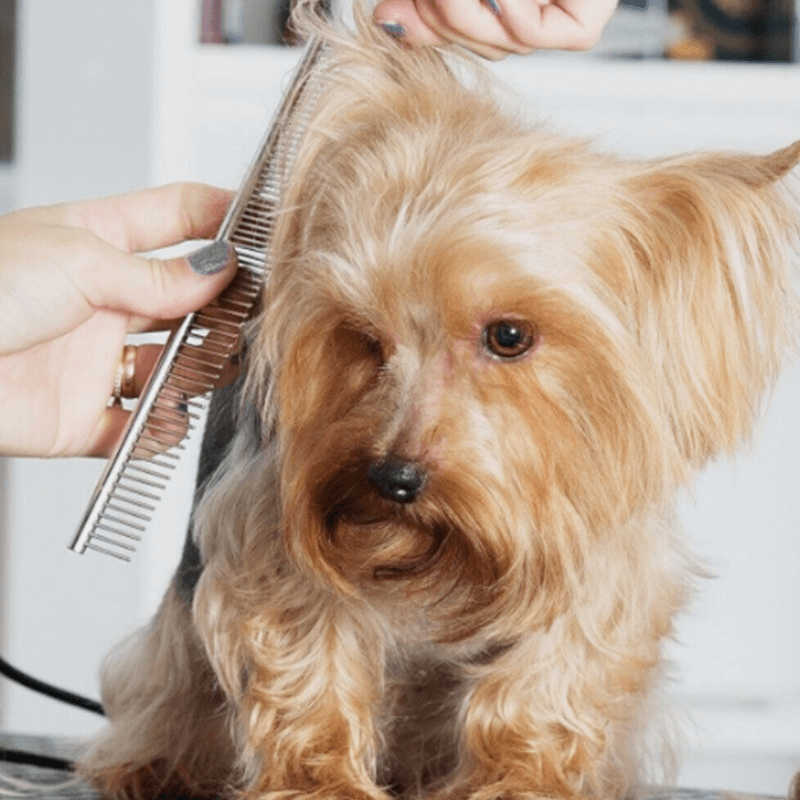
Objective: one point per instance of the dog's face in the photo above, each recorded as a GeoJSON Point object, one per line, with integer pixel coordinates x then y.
{"type": "Point", "coordinates": [494, 351]}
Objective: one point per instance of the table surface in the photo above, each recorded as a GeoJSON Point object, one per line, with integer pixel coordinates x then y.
{"type": "Point", "coordinates": [56, 785]}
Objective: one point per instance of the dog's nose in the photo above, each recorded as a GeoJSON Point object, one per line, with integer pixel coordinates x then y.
{"type": "Point", "coordinates": [398, 480]}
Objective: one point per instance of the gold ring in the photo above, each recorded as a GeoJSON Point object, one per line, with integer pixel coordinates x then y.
{"type": "Point", "coordinates": [125, 376]}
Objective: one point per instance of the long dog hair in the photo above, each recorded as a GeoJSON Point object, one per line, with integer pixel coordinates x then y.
{"type": "Point", "coordinates": [437, 557]}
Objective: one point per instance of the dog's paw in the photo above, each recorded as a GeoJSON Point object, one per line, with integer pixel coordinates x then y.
{"type": "Point", "coordinates": [149, 782]}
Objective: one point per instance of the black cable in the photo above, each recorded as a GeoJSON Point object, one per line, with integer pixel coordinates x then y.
{"type": "Point", "coordinates": [33, 760]}
{"type": "Point", "coordinates": [51, 691]}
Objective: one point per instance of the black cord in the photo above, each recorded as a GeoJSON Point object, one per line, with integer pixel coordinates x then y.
{"type": "Point", "coordinates": [34, 760]}
{"type": "Point", "coordinates": [51, 691]}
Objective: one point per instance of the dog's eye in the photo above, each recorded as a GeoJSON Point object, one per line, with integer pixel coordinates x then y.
{"type": "Point", "coordinates": [373, 346]}
{"type": "Point", "coordinates": [509, 338]}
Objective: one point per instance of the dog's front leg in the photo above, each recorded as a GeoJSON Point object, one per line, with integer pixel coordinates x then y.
{"type": "Point", "coordinates": [168, 734]}
{"type": "Point", "coordinates": [312, 675]}
{"type": "Point", "coordinates": [544, 722]}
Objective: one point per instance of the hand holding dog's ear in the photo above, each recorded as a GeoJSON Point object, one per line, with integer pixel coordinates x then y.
{"type": "Point", "coordinates": [496, 28]}
{"type": "Point", "coordinates": [71, 289]}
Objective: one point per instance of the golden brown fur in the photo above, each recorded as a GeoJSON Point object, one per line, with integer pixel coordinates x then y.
{"type": "Point", "coordinates": [500, 635]}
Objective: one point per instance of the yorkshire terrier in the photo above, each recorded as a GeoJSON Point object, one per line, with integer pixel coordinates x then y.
{"type": "Point", "coordinates": [438, 558]}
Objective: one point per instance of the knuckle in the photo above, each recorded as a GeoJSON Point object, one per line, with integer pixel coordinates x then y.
{"type": "Point", "coordinates": [586, 41]}
{"type": "Point", "coordinates": [448, 16]}
{"type": "Point", "coordinates": [84, 249]}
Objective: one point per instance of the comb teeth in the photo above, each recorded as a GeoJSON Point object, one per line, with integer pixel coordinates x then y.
{"type": "Point", "coordinates": [167, 417]}
{"type": "Point", "coordinates": [193, 360]}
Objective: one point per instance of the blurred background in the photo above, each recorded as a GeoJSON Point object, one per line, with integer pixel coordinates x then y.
{"type": "Point", "coordinates": [104, 96]}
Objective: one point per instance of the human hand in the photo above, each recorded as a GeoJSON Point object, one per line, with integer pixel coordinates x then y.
{"type": "Point", "coordinates": [495, 28]}
{"type": "Point", "coordinates": [70, 292]}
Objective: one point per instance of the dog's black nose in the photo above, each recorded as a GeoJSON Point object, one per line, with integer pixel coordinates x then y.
{"type": "Point", "coordinates": [398, 480]}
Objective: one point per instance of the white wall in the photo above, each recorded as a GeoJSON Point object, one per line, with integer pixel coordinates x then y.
{"type": "Point", "coordinates": [85, 81]}
{"type": "Point", "coordinates": [85, 84]}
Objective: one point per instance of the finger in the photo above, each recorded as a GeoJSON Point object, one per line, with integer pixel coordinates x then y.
{"type": "Point", "coordinates": [589, 18]}
{"type": "Point", "coordinates": [147, 325]}
{"type": "Point", "coordinates": [147, 356]}
{"type": "Point", "coordinates": [150, 287]}
{"type": "Point", "coordinates": [476, 24]}
{"type": "Point", "coordinates": [152, 218]}
{"type": "Point", "coordinates": [563, 25]}
{"type": "Point", "coordinates": [205, 261]}
{"type": "Point", "coordinates": [167, 422]}
{"type": "Point", "coordinates": [421, 24]}
{"type": "Point", "coordinates": [400, 19]}
{"type": "Point", "coordinates": [109, 431]}
{"type": "Point", "coordinates": [114, 419]}
{"type": "Point", "coordinates": [166, 427]}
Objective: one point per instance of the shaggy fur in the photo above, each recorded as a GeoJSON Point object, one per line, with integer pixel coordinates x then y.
{"type": "Point", "coordinates": [438, 558]}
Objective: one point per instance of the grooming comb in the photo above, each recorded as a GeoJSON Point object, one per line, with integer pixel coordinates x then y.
{"type": "Point", "coordinates": [179, 389]}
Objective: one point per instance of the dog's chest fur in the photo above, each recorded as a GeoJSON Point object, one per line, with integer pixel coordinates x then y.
{"type": "Point", "coordinates": [418, 723]}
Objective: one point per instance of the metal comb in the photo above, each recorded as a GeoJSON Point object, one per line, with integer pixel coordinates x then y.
{"type": "Point", "coordinates": [178, 391]}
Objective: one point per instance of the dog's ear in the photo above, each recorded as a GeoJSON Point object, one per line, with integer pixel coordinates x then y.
{"type": "Point", "coordinates": [715, 239]}
{"type": "Point", "coordinates": [776, 165]}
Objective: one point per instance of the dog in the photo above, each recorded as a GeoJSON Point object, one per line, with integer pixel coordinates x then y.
{"type": "Point", "coordinates": [437, 556]}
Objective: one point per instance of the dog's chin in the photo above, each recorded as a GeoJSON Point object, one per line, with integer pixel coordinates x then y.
{"type": "Point", "coordinates": [377, 542]}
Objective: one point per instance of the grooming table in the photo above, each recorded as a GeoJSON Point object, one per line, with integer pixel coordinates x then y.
{"type": "Point", "coordinates": [46, 746]}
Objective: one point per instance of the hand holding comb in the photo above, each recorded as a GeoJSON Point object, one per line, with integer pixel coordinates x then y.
{"type": "Point", "coordinates": [194, 356]}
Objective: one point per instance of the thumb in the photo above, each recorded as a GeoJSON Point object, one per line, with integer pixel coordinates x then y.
{"type": "Point", "coordinates": [164, 289]}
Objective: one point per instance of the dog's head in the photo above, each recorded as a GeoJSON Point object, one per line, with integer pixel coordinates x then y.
{"type": "Point", "coordinates": [492, 351]}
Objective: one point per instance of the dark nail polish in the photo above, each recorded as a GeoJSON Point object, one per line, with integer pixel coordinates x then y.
{"type": "Point", "coordinates": [494, 6]}
{"type": "Point", "coordinates": [394, 29]}
{"type": "Point", "coordinates": [212, 258]}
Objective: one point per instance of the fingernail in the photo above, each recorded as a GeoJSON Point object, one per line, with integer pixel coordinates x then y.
{"type": "Point", "coordinates": [212, 258]}
{"type": "Point", "coordinates": [494, 6]}
{"type": "Point", "coordinates": [394, 29]}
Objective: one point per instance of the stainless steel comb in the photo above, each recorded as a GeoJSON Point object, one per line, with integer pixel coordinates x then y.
{"type": "Point", "coordinates": [178, 391]}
